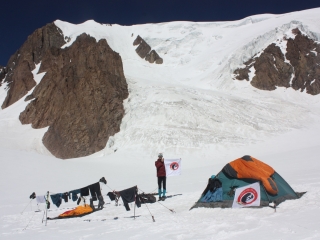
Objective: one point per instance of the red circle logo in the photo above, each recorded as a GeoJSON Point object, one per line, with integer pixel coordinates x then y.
{"type": "Point", "coordinates": [174, 166]}
{"type": "Point", "coordinates": [247, 196]}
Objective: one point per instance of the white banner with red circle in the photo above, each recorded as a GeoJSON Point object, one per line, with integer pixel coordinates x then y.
{"type": "Point", "coordinates": [173, 167]}
{"type": "Point", "coordinates": [247, 196]}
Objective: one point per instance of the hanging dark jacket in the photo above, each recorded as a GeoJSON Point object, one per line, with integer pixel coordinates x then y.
{"type": "Point", "coordinates": [84, 191]}
{"type": "Point", "coordinates": [161, 169]}
{"type": "Point", "coordinates": [130, 195]}
{"type": "Point", "coordinates": [112, 196]}
{"type": "Point", "coordinates": [95, 191]}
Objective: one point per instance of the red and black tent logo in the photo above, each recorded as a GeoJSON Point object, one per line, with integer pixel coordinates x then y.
{"type": "Point", "coordinates": [247, 196]}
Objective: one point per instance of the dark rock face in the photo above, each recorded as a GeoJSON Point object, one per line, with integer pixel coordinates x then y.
{"type": "Point", "coordinates": [272, 70]}
{"type": "Point", "coordinates": [154, 57]}
{"type": "Point", "coordinates": [270, 67]}
{"type": "Point", "coordinates": [143, 50]}
{"type": "Point", "coordinates": [138, 40]}
{"type": "Point", "coordinates": [304, 55]}
{"type": "Point", "coordinates": [80, 98]}
{"type": "Point", "coordinates": [19, 76]}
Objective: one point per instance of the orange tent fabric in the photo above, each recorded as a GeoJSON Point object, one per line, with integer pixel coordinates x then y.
{"type": "Point", "coordinates": [77, 211]}
{"type": "Point", "coordinates": [250, 167]}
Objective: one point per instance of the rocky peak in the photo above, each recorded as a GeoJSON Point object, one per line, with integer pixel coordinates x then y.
{"type": "Point", "coordinates": [19, 77]}
{"type": "Point", "coordinates": [304, 55]}
{"type": "Point", "coordinates": [298, 68]}
{"type": "Point", "coordinates": [80, 98]}
{"type": "Point", "coordinates": [144, 51]}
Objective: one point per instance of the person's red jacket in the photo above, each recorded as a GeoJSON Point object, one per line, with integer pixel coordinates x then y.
{"type": "Point", "coordinates": [161, 170]}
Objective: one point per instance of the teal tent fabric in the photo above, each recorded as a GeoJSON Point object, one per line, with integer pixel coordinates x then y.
{"type": "Point", "coordinates": [284, 190]}
{"type": "Point", "coordinates": [229, 185]}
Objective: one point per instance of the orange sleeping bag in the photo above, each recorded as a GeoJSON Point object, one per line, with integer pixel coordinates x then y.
{"type": "Point", "coordinates": [249, 167]}
{"type": "Point", "coordinates": [77, 211]}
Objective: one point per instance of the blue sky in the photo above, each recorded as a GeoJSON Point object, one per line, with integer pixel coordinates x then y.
{"type": "Point", "coordinates": [18, 19]}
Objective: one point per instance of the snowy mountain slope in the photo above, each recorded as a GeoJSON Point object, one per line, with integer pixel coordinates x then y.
{"type": "Point", "coordinates": [191, 101]}
{"type": "Point", "coordinates": [185, 102]}
{"type": "Point", "coordinates": [14, 135]}
{"type": "Point", "coordinates": [188, 107]}
{"type": "Point", "coordinates": [197, 48]}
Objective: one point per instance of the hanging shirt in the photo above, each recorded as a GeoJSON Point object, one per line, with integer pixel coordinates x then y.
{"type": "Point", "coordinates": [56, 199]}
{"type": "Point", "coordinates": [73, 194]}
{"type": "Point", "coordinates": [41, 199]}
{"type": "Point", "coordinates": [112, 196]}
{"type": "Point", "coordinates": [130, 195]}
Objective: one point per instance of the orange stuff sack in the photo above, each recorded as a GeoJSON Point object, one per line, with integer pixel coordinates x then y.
{"type": "Point", "coordinates": [249, 167]}
{"type": "Point", "coordinates": [77, 211]}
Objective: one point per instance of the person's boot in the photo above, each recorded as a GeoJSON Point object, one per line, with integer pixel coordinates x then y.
{"type": "Point", "coordinates": [164, 194]}
{"type": "Point", "coordinates": [159, 193]}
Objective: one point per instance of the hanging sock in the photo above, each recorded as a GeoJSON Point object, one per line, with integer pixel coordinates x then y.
{"type": "Point", "coordinates": [33, 195]}
{"type": "Point", "coordinates": [79, 200]}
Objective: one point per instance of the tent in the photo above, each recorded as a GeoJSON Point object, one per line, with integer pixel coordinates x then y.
{"type": "Point", "coordinates": [241, 173]}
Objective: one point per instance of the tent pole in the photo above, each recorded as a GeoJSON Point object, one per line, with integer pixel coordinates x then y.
{"type": "Point", "coordinates": [47, 206]}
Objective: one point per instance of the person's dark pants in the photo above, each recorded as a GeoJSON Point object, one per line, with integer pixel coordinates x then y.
{"type": "Point", "coordinates": [162, 180]}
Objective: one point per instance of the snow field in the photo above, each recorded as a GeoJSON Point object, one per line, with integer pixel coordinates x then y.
{"type": "Point", "coordinates": [189, 107]}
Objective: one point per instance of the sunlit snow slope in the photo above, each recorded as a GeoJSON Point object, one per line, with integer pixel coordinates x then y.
{"type": "Point", "coordinates": [190, 101]}
{"type": "Point", "coordinates": [188, 107]}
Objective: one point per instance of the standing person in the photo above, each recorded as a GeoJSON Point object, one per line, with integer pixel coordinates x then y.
{"type": "Point", "coordinates": [161, 174]}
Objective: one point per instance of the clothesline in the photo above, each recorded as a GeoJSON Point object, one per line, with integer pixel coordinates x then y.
{"type": "Point", "coordinates": [56, 198]}
{"type": "Point", "coordinates": [128, 195]}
